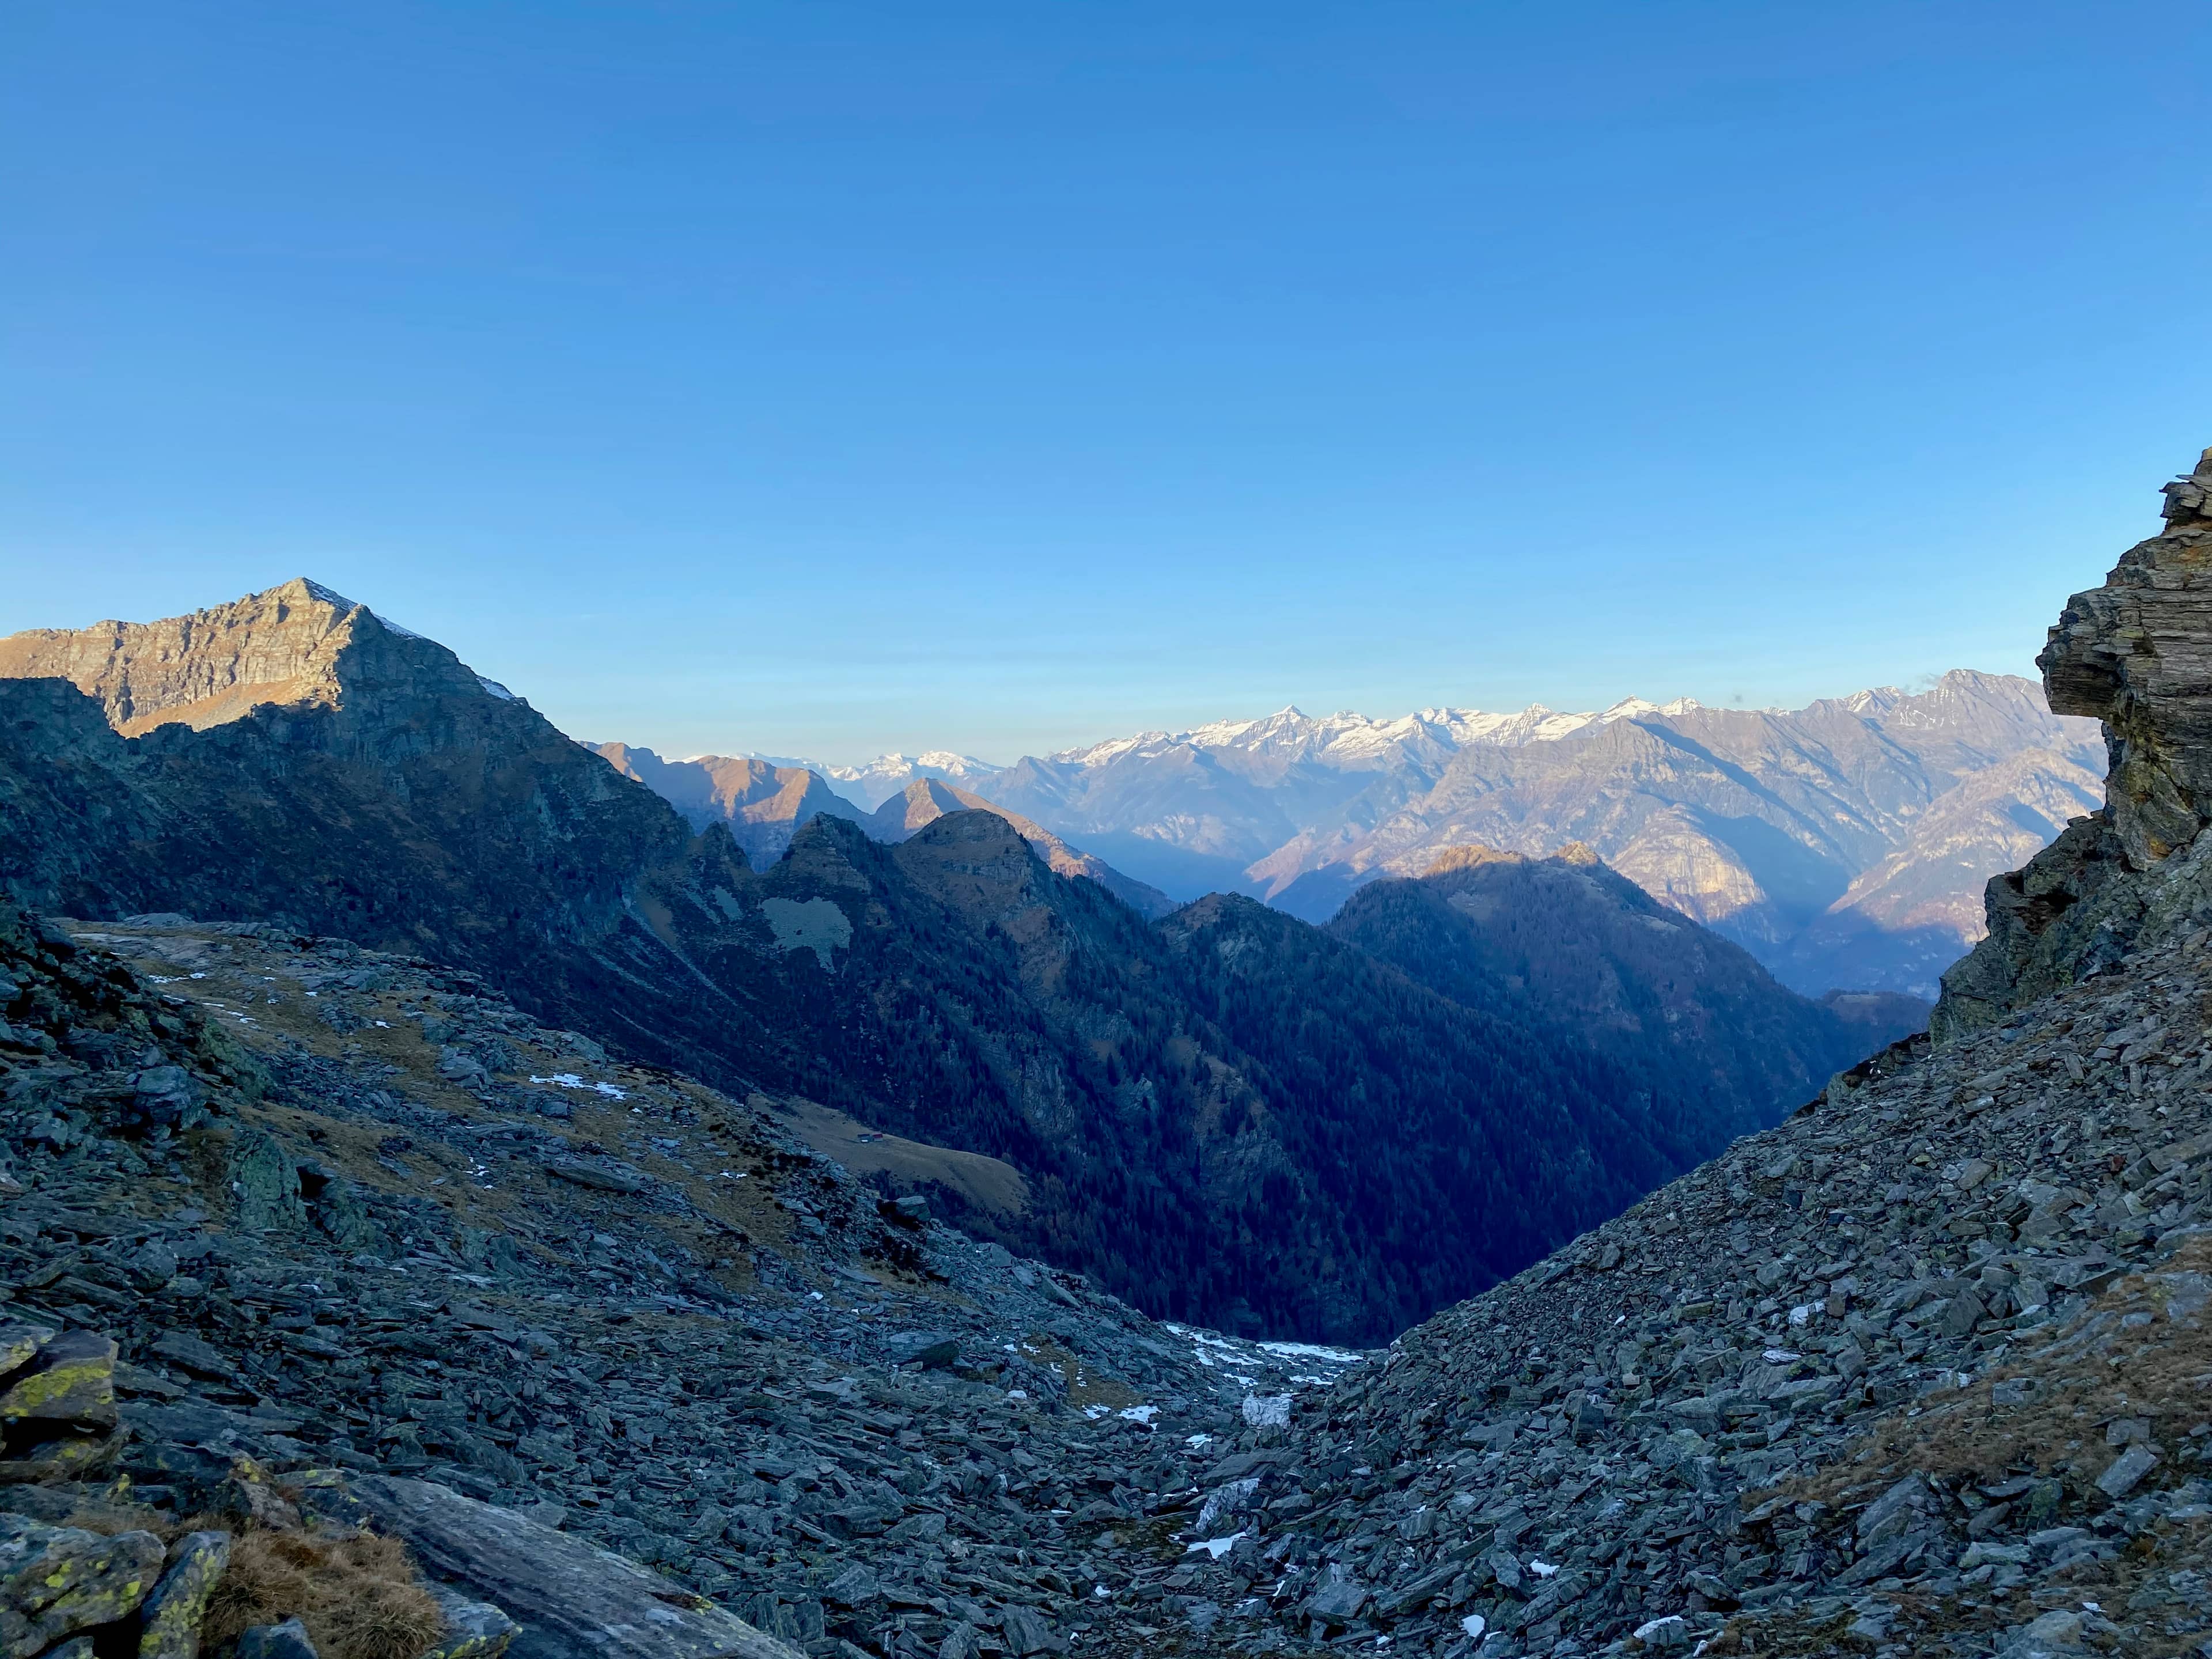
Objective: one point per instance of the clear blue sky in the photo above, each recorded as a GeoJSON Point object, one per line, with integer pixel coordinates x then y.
{"type": "Point", "coordinates": [828, 378]}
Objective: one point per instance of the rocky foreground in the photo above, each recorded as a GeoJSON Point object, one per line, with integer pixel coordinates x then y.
{"type": "Point", "coordinates": [338, 1227]}
{"type": "Point", "coordinates": [1922, 1370]}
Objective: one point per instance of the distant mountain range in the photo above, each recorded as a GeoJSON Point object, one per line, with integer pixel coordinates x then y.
{"type": "Point", "coordinates": [1844, 844]}
{"type": "Point", "coordinates": [763, 803]}
{"type": "Point", "coordinates": [1225, 1114]}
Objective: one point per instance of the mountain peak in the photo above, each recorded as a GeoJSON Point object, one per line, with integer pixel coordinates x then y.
{"type": "Point", "coordinates": [296, 644]}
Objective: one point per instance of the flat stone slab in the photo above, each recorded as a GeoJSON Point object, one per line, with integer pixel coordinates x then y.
{"type": "Point", "coordinates": [569, 1597]}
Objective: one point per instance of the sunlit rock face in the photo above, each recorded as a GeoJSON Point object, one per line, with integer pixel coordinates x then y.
{"type": "Point", "coordinates": [2136, 654]}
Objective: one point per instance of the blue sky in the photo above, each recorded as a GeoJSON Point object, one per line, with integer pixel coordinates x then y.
{"type": "Point", "coordinates": [830, 378]}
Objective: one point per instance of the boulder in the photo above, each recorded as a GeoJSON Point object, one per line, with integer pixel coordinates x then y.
{"type": "Point", "coordinates": [567, 1596]}
{"type": "Point", "coordinates": [170, 1619]}
{"type": "Point", "coordinates": [58, 1407]}
{"type": "Point", "coordinates": [68, 1383]}
{"type": "Point", "coordinates": [56, 1581]}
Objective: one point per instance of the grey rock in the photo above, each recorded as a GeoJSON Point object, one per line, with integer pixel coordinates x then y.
{"type": "Point", "coordinates": [57, 1580]}
{"type": "Point", "coordinates": [567, 1596]}
{"type": "Point", "coordinates": [2122, 1474]}
{"type": "Point", "coordinates": [608, 1175]}
{"type": "Point", "coordinates": [289, 1640]}
{"type": "Point", "coordinates": [170, 1617]}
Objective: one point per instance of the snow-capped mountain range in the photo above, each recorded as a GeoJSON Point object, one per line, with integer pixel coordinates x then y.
{"type": "Point", "coordinates": [1845, 843]}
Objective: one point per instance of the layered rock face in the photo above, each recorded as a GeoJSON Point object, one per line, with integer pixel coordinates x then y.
{"type": "Point", "coordinates": [2136, 653]}
{"type": "Point", "coordinates": [282, 646]}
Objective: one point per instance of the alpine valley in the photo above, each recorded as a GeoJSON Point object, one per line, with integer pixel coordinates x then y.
{"type": "Point", "coordinates": [1472, 1187]}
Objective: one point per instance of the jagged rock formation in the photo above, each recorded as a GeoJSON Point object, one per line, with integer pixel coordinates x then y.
{"type": "Point", "coordinates": [763, 805]}
{"type": "Point", "coordinates": [927, 799]}
{"type": "Point", "coordinates": [2136, 653]}
{"type": "Point", "coordinates": [282, 649]}
{"type": "Point", "coordinates": [1566, 946]}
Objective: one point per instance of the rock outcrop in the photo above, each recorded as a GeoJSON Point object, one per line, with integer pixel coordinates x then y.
{"type": "Point", "coordinates": [2136, 653]}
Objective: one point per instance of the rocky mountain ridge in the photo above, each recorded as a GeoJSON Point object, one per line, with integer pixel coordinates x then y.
{"type": "Point", "coordinates": [927, 799]}
{"type": "Point", "coordinates": [762, 806]}
{"type": "Point", "coordinates": [1158, 1091]}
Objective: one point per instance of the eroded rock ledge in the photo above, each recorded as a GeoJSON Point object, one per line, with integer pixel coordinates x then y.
{"type": "Point", "coordinates": [2136, 653]}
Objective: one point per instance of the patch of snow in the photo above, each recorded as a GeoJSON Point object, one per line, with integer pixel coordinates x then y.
{"type": "Point", "coordinates": [1310, 1351]}
{"type": "Point", "coordinates": [570, 1080]}
{"type": "Point", "coordinates": [496, 689]}
{"type": "Point", "coordinates": [1216, 1547]}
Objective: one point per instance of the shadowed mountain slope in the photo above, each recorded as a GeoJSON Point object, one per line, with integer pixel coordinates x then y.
{"type": "Point", "coordinates": [927, 799]}
{"type": "Point", "coordinates": [1566, 946]}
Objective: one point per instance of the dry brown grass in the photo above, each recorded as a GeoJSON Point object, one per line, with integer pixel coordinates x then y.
{"type": "Point", "coordinates": [358, 1597]}
{"type": "Point", "coordinates": [2159, 1374]}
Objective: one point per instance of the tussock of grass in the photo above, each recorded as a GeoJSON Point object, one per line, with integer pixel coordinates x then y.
{"type": "Point", "coordinates": [358, 1597]}
{"type": "Point", "coordinates": [2159, 1374]}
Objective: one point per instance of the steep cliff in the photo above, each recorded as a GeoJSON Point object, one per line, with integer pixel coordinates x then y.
{"type": "Point", "coordinates": [2136, 653]}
